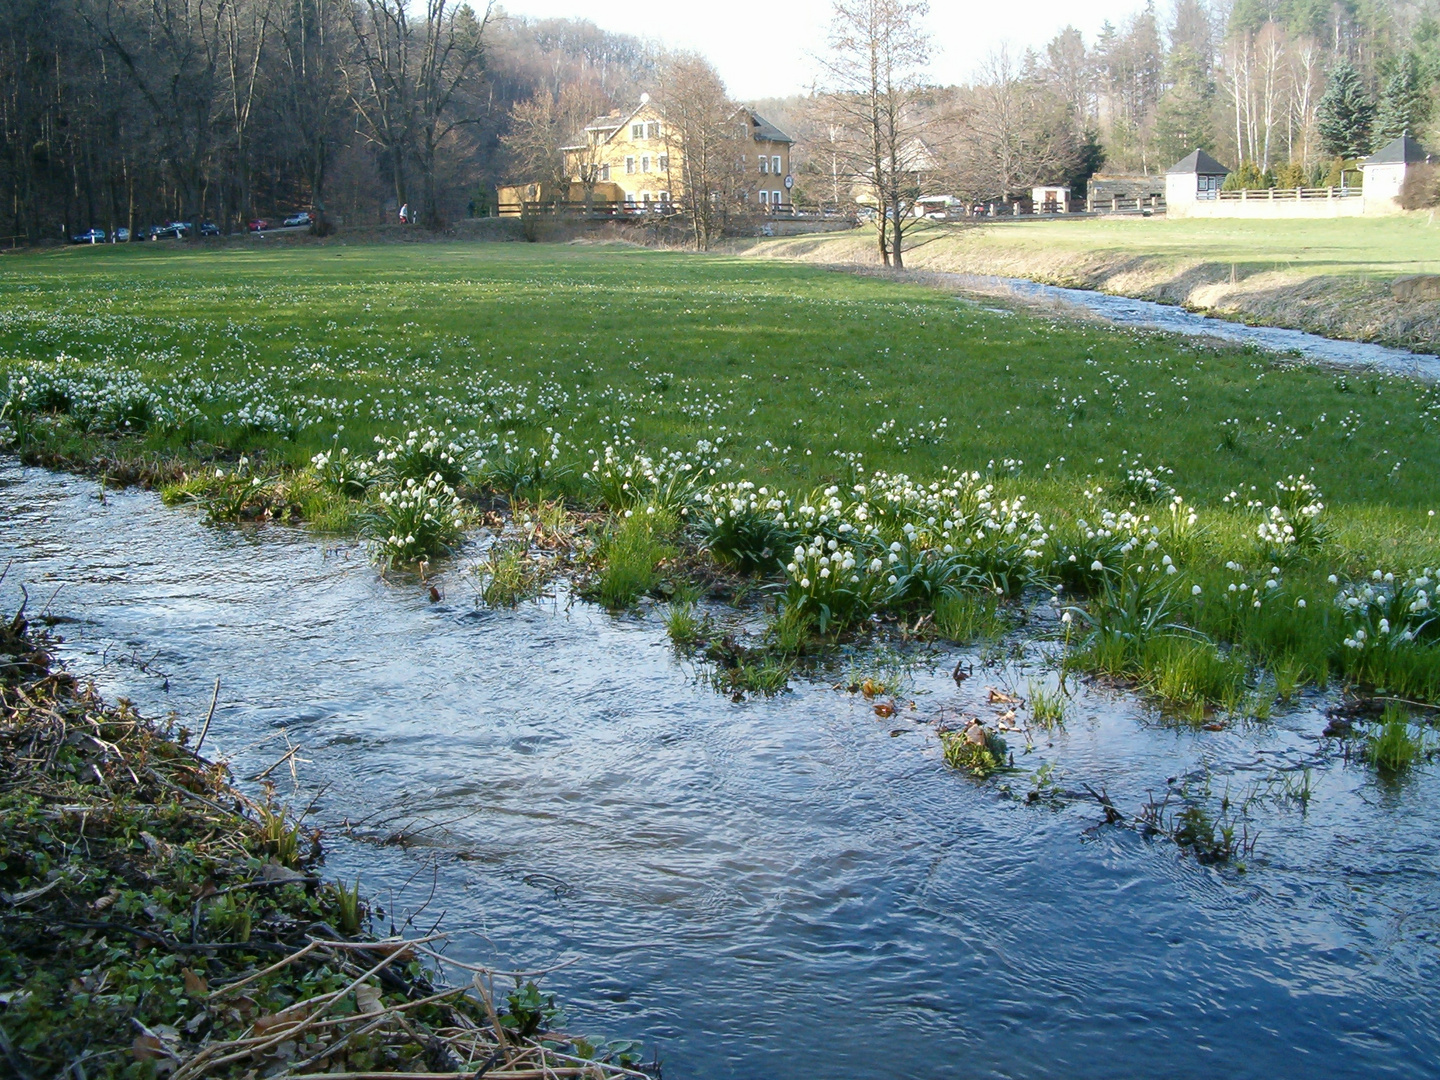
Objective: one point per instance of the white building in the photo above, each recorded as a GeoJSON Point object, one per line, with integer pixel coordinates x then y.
{"type": "Point", "coordinates": [1385, 172]}
{"type": "Point", "coordinates": [1197, 177]}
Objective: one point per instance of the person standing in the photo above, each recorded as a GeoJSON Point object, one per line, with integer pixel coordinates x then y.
{"type": "Point", "coordinates": [405, 214]}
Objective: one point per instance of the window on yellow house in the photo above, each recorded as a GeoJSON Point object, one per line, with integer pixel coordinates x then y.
{"type": "Point", "coordinates": [637, 131]}
{"type": "Point", "coordinates": [654, 130]}
{"type": "Point", "coordinates": [764, 164]}
{"type": "Point", "coordinates": [664, 163]}
{"type": "Point", "coordinates": [605, 171]}
{"type": "Point", "coordinates": [629, 165]}
{"type": "Point", "coordinates": [775, 164]}
{"type": "Point", "coordinates": [665, 198]}
{"type": "Point", "coordinates": [645, 163]}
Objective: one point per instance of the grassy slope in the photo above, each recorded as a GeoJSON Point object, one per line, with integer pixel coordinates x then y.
{"type": "Point", "coordinates": [1328, 276]}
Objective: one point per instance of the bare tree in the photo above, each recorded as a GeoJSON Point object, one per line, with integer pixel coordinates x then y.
{"type": "Point", "coordinates": [314, 46]}
{"type": "Point", "coordinates": [412, 71]}
{"type": "Point", "coordinates": [702, 131]}
{"type": "Point", "coordinates": [172, 50]}
{"type": "Point", "coordinates": [548, 144]}
{"type": "Point", "coordinates": [1015, 132]}
{"type": "Point", "coordinates": [244, 28]}
{"type": "Point", "coordinates": [878, 53]}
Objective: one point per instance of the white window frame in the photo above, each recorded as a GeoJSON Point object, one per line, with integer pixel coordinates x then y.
{"type": "Point", "coordinates": [764, 198]}
{"type": "Point", "coordinates": [644, 163]}
{"type": "Point", "coordinates": [663, 163]}
{"type": "Point", "coordinates": [629, 166]}
{"type": "Point", "coordinates": [764, 165]}
{"type": "Point", "coordinates": [605, 171]}
{"type": "Point", "coordinates": [775, 164]}
{"type": "Point", "coordinates": [665, 198]}
{"type": "Point", "coordinates": [775, 199]}
{"type": "Point", "coordinates": [652, 130]}
{"type": "Point", "coordinates": [637, 132]}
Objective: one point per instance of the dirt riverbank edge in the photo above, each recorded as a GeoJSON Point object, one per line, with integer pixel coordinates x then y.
{"type": "Point", "coordinates": [1346, 307]}
{"type": "Point", "coordinates": [156, 921]}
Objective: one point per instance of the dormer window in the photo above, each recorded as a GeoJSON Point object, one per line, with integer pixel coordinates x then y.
{"type": "Point", "coordinates": [653, 130]}
{"type": "Point", "coordinates": [637, 132]}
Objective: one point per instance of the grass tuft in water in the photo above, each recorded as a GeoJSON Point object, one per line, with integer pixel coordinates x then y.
{"type": "Point", "coordinates": [1392, 749]}
{"type": "Point", "coordinates": [512, 575]}
{"type": "Point", "coordinates": [1047, 707]}
{"type": "Point", "coordinates": [631, 552]}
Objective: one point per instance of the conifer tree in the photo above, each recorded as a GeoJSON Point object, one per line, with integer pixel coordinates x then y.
{"type": "Point", "coordinates": [1345, 114]}
{"type": "Point", "coordinates": [1404, 105]}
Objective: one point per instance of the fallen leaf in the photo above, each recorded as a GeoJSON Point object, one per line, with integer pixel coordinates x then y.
{"type": "Point", "coordinates": [284, 1018]}
{"type": "Point", "coordinates": [195, 985]}
{"type": "Point", "coordinates": [147, 1048]}
{"type": "Point", "coordinates": [884, 710]}
{"type": "Point", "coordinates": [998, 697]}
{"type": "Point", "coordinates": [273, 871]}
{"type": "Point", "coordinates": [367, 999]}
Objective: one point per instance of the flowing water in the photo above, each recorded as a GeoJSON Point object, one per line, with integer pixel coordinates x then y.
{"type": "Point", "coordinates": [767, 889]}
{"type": "Point", "coordinates": [1172, 319]}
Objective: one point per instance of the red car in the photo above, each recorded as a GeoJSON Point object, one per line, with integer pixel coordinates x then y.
{"type": "Point", "coordinates": [259, 225]}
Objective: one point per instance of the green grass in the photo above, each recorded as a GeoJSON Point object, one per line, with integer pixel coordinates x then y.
{"type": "Point", "coordinates": [1378, 247]}
{"type": "Point", "coordinates": [535, 358]}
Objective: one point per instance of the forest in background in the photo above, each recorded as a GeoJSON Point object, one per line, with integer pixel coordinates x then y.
{"type": "Point", "coordinates": [129, 112]}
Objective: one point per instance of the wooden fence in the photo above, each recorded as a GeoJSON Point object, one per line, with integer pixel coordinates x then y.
{"type": "Point", "coordinates": [1290, 194]}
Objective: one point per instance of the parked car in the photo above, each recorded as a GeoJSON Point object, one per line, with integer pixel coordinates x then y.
{"type": "Point", "coordinates": [294, 220]}
{"type": "Point", "coordinates": [209, 228]}
{"type": "Point", "coordinates": [171, 230]}
{"type": "Point", "coordinates": [259, 225]}
{"type": "Point", "coordinates": [122, 236]}
{"type": "Point", "coordinates": [94, 236]}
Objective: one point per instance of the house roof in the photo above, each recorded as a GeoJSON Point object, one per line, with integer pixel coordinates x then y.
{"type": "Point", "coordinates": [1401, 151]}
{"type": "Point", "coordinates": [1198, 163]}
{"type": "Point", "coordinates": [608, 122]}
{"type": "Point", "coordinates": [764, 131]}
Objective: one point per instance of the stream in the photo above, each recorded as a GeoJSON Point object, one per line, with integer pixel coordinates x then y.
{"type": "Point", "coordinates": [779, 889]}
{"type": "Point", "coordinates": [1173, 319]}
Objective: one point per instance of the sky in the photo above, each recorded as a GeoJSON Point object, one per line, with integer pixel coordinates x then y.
{"type": "Point", "coordinates": [765, 50]}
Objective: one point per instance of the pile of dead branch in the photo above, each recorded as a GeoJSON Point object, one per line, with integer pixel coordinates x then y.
{"type": "Point", "coordinates": [155, 921]}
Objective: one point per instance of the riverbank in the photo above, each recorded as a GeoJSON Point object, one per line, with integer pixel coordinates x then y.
{"type": "Point", "coordinates": [1322, 277]}
{"type": "Point", "coordinates": [156, 920]}
{"type": "Point", "coordinates": [857, 451]}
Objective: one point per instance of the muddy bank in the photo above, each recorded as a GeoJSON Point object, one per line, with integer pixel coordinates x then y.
{"type": "Point", "coordinates": [1349, 307]}
{"type": "Point", "coordinates": [155, 920]}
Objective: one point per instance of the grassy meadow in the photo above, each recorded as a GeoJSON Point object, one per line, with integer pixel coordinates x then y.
{"type": "Point", "coordinates": [764, 415]}
{"type": "Point", "coordinates": [1382, 248]}
{"type": "Point", "coordinates": [1329, 277]}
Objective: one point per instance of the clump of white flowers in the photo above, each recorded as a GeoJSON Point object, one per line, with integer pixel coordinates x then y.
{"type": "Point", "coordinates": [1293, 523]}
{"type": "Point", "coordinates": [415, 519]}
{"type": "Point", "coordinates": [1389, 611]}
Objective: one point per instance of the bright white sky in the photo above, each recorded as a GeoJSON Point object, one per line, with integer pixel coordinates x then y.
{"type": "Point", "coordinates": [764, 50]}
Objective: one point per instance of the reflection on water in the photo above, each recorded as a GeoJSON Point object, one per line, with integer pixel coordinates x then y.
{"type": "Point", "coordinates": [768, 889]}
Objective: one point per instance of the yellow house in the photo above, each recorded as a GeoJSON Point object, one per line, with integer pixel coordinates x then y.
{"type": "Point", "coordinates": [632, 159]}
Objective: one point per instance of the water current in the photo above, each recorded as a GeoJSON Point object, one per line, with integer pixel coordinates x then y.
{"type": "Point", "coordinates": [1170, 318]}
{"type": "Point", "coordinates": [779, 888]}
